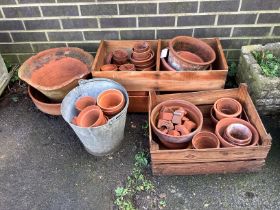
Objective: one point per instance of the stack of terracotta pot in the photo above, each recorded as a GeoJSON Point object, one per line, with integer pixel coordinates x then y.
{"type": "Point", "coordinates": [188, 54]}
{"type": "Point", "coordinates": [109, 103]}
{"type": "Point", "coordinates": [142, 58]}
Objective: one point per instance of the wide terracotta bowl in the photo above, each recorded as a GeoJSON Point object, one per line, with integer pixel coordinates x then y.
{"type": "Point", "coordinates": [224, 123]}
{"type": "Point", "coordinates": [177, 142]}
{"type": "Point", "coordinates": [43, 103]}
{"type": "Point", "coordinates": [54, 72]}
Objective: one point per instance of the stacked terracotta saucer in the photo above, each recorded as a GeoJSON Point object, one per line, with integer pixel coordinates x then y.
{"type": "Point", "coordinates": [143, 57]}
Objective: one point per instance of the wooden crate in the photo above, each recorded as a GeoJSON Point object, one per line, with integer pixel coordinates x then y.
{"type": "Point", "coordinates": [158, 80]}
{"type": "Point", "coordinates": [208, 161]}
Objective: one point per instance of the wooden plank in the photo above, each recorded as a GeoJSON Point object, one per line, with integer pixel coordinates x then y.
{"type": "Point", "coordinates": [208, 168]}
{"type": "Point", "coordinates": [138, 103]}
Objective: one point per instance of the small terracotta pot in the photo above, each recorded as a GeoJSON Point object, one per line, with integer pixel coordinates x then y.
{"type": "Point", "coordinates": [111, 101]}
{"type": "Point", "coordinates": [238, 134]}
{"type": "Point", "coordinates": [213, 116]}
{"type": "Point", "coordinates": [140, 47]}
{"type": "Point", "coordinates": [190, 56]}
{"type": "Point", "coordinates": [109, 58]}
{"type": "Point", "coordinates": [43, 103]}
{"type": "Point", "coordinates": [151, 68]}
{"type": "Point", "coordinates": [120, 54]}
{"type": "Point", "coordinates": [143, 62]}
{"type": "Point", "coordinates": [127, 67]}
{"type": "Point", "coordinates": [224, 123]}
{"type": "Point", "coordinates": [205, 140]}
{"type": "Point", "coordinates": [227, 108]}
{"type": "Point", "coordinates": [166, 66]}
{"type": "Point", "coordinates": [141, 56]}
{"type": "Point", "coordinates": [91, 116]}
{"type": "Point", "coordinates": [109, 67]}
{"type": "Point", "coordinates": [84, 102]}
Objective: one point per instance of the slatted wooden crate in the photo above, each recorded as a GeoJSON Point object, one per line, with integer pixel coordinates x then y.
{"type": "Point", "coordinates": [159, 80]}
{"type": "Point", "coordinates": [208, 161]}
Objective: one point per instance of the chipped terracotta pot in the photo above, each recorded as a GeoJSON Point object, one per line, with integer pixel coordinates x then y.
{"type": "Point", "coordinates": [192, 45]}
{"type": "Point", "coordinates": [43, 103]}
{"type": "Point", "coordinates": [227, 108]}
{"type": "Point", "coordinates": [54, 72]}
{"type": "Point", "coordinates": [84, 102]}
{"type": "Point", "coordinates": [91, 116]}
{"type": "Point", "coordinates": [205, 140]}
{"type": "Point", "coordinates": [111, 101]}
{"type": "Point", "coordinates": [127, 67]}
{"type": "Point", "coordinates": [109, 67]}
{"type": "Point", "coordinates": [224, 123]}
{"type": "Point", "coordinates": [140, 47]}
{"type": "Point", "coordinates": [177, 142]}
{"type": "Point", "coordinates": [238, 134]}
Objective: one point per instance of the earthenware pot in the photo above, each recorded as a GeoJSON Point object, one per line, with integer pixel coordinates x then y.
{"type": "Point", "coordinates": [143, 62]}
{"type": "Point", "coordinates": [192, 45]}
{"type": "Point", "coordinates": [43, 103]}
{"type": "Point", "coordinates": [91, 116]}
{"type": "Point", "coordinates": [109, 67]}
{"type": "Point", "coordinates": [205, 140]}
{"type": "Point", "coordinates": [109, 57]}
{"type": "Point", "coordinates": [141, 56]}
{"type": "Point", "coordinates": [238, 134]}
{"type": "Point", "coordinates": [127, 67]}
{"type": "Point", "coordinates": [190, 56]}
{"type": "Point", "coordinates": [150, 68]}
{"type": "Point", "coordinates": [166, 66]}
{"type": "Point", "coordinates": [213, 116]}
{"type": "Point", "coordinates": [227, 108]}
{"type": "Point", "coordinates": [177, 142]}
{"type": "Point", "coordinates": [111, 101]}
{"type": "Point", "coordinates": [84, 102]}
{"type": "Point", "coordinates": [224, 123]}
{"type": "Point", "coordinates": [120, 54]}
{"type": "Point", "coordinates": [140, 47]}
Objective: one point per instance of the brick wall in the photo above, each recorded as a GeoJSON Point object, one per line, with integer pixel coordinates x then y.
{"type": "Point", "coordinates": [29, 26]}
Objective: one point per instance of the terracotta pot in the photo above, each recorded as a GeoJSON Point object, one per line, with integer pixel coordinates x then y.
{"type": "Point", "coordinates": [109, 58]}
{"type": "Point", "coordinates": [141, 56]}
{"type": "Point", "coordinates": [109, 67]}
{"type": "Point", "coordinates": [91, 116]}
{"type": "Point", "coordinates": [177, 142]}
{"type": "Point", "coordinates": [190, 56]}
{"type": "Point", "coordinates": [43, 103]}
{"type": "Point", "coordinates": [120, 54]}
{"type": "Point", "coordinates": [54, 72]}
{"type": "Point", "coordinates": [227, 108]}
{"type": "Point", "coordinates": [127, 67]}
{"type": "Point", "coordinates": [192, 45]}
{"type": "Point", "coordinates": [140, 47]}
{"type": "Point", "coordinates": [84, 102]}
{"type": "Point", "coordinates": [238, 134]}
{"type": "Point", "coordinates": [224, 123]}
{"type": "Point", "coordinates": [166, 66]}
{"type": "Point", "coordinates": [213, 116]}
{"type": "Point", "coordinates": [144, 62]}
{"type": "Point", "coordinates": [205, 140]}
{"type": "Point", "coordinates": [111, 101]}
{"type": "Point", "coordinates": [74, 120]}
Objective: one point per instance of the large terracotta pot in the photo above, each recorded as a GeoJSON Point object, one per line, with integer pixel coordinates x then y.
{"type": "Point", "coordinates": [224, 123]}
{"type": "Point", "coordinates": [192, 45]}
{"type": "Point", "coordinates": [84, 102]}
{"type": "Point", "coordinates": [227, 108]}
{"type": "Point", "coordinates": [91, 116]}
{"type": "Point", "coordinates": [111, 101]}
{"type": "Point", "coordinates": [43, 103]}
{"type": "Point", "coordinates": [54, 72]}
{"type": "Point", "coordinates": [177, 142]}
{"type": "Point", "coordinates": [205, 140]}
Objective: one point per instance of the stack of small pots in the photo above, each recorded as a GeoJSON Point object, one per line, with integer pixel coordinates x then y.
{"type": "Point", "coordinates": [93, 113]}
{"type": "Point", "coordinates": [142, 58]}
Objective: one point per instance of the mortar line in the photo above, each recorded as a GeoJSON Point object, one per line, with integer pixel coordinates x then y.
{"type": "Point", "coordinates": [216, 20]}
{"type": "Point", "coordinates": [271, 31]}
{"type": "Point", "coordinates": [60, 23]}
{"type": "Point", "coordinates": [240, 4]}
{"type": "Point", "coordinates": [257, 18]}
{"type": "Point", "coordinates": [118, 9]}
{"type": "Point", "coordinates": [11, 36]}
{"type": "Point", "coordinates": [79, 10]}
{"type": "Point", "coordinates": [40, 10]}
{"type": "Point", "coordinates": [198, 7]}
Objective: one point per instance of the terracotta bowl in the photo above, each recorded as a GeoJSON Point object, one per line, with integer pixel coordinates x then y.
{"type": "Point", "coordinates": [54, 72]}
{"type": "Point", "coordinates": [43, 103]}
{"type": "Point", "coordinates": [127, 67]}
{"type": "Point", "coordinates": [140, 47]}
{"type": "Point", "coordinates": [224, 123]}
{"type": "Point", "coordinates": [111, 101]}
{"type": "Point", "coordinates": [84, 102]}
{"type": "Point", "coordinates": [205, 140]}
{"type": "Point", "coordinates": [177, 142]}
{"type": "Point", "coordinates": [91, 116]}
{"type": "Point", "coordinates": [109, 67]}
{"type": "Point", "coordinates": [227, 108]}
{"type": "Point", "coordinates": [238, 134]}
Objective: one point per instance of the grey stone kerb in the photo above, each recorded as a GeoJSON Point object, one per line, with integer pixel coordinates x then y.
{"type": "Point", "coordinates": [263, 90]}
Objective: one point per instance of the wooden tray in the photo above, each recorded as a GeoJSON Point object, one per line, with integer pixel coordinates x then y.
{"type": "Point", "coordinates": [209, 161]}
{"type": "Point", "coordinates": [158, 80]}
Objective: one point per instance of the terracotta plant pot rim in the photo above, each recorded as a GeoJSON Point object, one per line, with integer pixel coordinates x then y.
{"type": "Point", "coordinates": [133, 68]}
{"type": "Point", "coordinates": [120, 57]}
{"type": "Point", "coordinates": [108, 65]}
{"type": "Point", "coordinates": [206, 133]}
{"type": "Point", "coordinates": [147, 68]}
{"type": "Point", "coordinates": [114, 107]}
{"type": "Point", "coordinates": [147, 47]}
{"type": "Point", "coordinates": [136, 62]}
{"type": "Point", "coordinates": [155, 113]}
{"type": "Point", "coordinates": [234, 140]}
{"type": "Point", "coordinates": [84, 98]}
{"type": "Point", "coordinates": [86, 111]}
{"type": "Point", "coordinates": [201, 43]}
{"type": "Point", "coordinates": [68, 50]}
{"type": "Point", "coordinates": [237, 114]}
{"type": "Point", "coordinates": [40, 102]}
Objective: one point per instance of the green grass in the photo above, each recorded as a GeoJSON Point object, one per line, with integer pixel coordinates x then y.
{"type": "Point", "coordinates": [269, 63]}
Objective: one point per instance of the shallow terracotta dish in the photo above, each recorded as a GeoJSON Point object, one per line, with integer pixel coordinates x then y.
{"type": "Point", "coordinates": [54, 72]}
{"type": "Point", "coordinates": [43, 103]}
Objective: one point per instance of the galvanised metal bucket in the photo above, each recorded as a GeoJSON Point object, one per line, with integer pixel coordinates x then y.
{"type": "Point", "coordinates": [103, 139]}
